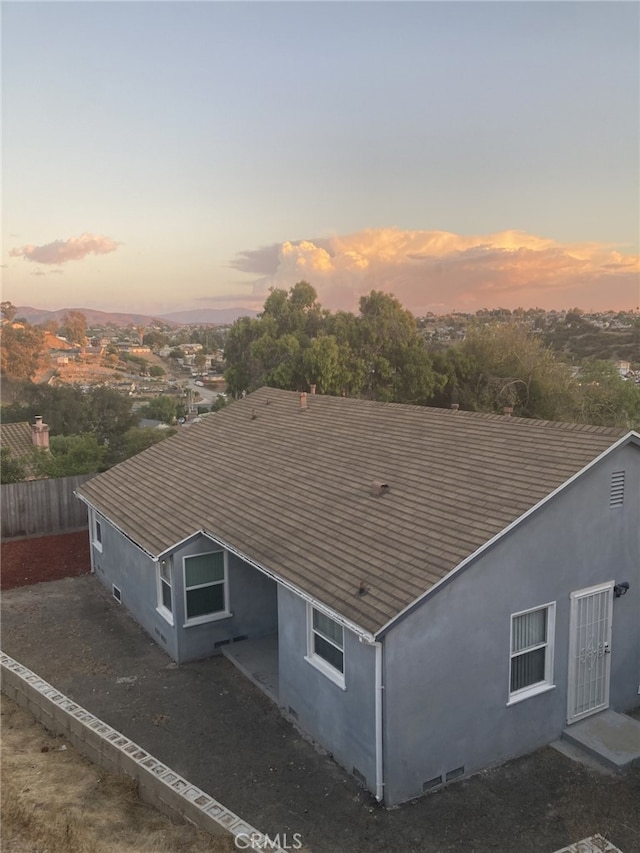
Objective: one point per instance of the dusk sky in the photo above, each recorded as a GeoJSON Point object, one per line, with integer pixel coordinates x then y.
{"type": "Point", "coordinates": [161, 156]}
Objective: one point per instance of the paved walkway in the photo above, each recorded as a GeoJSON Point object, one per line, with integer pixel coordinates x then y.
{"type": "Point", "coordinates": [213, 726]}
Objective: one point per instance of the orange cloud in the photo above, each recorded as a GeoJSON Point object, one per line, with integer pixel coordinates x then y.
{"type": "Point", "coordinates": [438, 270]}
{"type": "Point", "coordinates": [61, 251]}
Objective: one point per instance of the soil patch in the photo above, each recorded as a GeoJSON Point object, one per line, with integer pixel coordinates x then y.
{"type": "Point", "coordinates": [44, 558]}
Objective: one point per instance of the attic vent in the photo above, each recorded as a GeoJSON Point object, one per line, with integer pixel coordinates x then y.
{"type": "Point", "coordinates": [616, 495]}
{"type": "Point", "coordinates": [379, 488]}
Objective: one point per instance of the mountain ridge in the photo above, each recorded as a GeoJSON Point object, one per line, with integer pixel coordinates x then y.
{"type": "Point", "coordinates": [218, 316]}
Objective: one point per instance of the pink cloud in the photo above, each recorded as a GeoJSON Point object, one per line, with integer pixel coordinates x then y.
{"type": "Point", "coordinates": [440, 271]}
{"type": "Point", "coordinates": [61, 251]}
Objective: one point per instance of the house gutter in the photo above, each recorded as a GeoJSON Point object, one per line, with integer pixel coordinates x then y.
{"type": "Point", "coordinates": [379, 687]}
{"type": "Point", "coordinates": [115, 526]}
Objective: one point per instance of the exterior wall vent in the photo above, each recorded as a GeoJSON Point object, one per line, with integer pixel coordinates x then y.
{"type": "Point", "coordinates": [359, 776]}
{"type": "Point", "coordinates": [432, 783]}
{"type": "Point", "coordinates": [454, 774]}
{"type": "Point", "coordinates": [616, 495]}
{"type": "Point", "coordinates": [116, 593]}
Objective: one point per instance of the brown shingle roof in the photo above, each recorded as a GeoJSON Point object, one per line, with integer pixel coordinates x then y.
{"type": "Point", "coordinates": [291, 489]}
{"type": "Point", "coordinates": [17, 437]}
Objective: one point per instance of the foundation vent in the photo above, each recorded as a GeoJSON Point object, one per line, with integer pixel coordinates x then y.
{"type": "Point", "coordinates": [454, 774]}
{"type": "Point", "coordinates": [221, 643]}
{"type": "Point", "coordinates": [161, 635]}
{"type": "Point", "coordinates": [616, 495]}
{"type": "Point", "coordinates": [293, 713]}
{"type": "Point", "coordinates": [116, 593]}
{"type": "Point", "coordinates": [432, 783]}
{"type": "Point", "coordinates": [240, 638]}
{"type": "Point", "coordinates": [359, 776]}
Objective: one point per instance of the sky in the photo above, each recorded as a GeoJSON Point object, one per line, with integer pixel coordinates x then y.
{"type": "Point", "coordinates": [162, 156]}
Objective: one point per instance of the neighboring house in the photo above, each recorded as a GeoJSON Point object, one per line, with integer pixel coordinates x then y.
{"type": "Point", "coordinates": [432, 591]}
{"type": "Point", "coordinates": [21, 439]}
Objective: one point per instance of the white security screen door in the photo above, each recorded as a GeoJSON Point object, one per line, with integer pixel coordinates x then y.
{"type": "Point", "coordinates": [589, 650]}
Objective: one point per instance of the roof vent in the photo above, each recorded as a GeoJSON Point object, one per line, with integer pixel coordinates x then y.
{"type": "Point", "coordinates": [312, 388]}
{"type": "Point", "coordinates": [303, 400]}
{"type": "Point", "coordinates": [379, 488]}
{"type": "Point", "coordinates": [455, 406]}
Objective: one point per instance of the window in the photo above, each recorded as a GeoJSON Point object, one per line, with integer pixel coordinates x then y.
{"type": "Point", "coordinates": [165, 593]}
{"type": "Point", "coordinates": [96, 530]}
{"type": "Point", "coordinates": [531, 659]}
{"type": "Point", "coordinates": [205, 587]}
{"type": "Point", "coordinates": [326, 645]}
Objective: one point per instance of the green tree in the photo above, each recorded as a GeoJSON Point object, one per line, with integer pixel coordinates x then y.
{"type": "Point", "coordinates": [21, 350]}
{"type": "Point", "coordinates": [504, 365]}
{"type": "Point", "coordinates": [200, 361]}
{"type": "Point", "coordinates": [156, 370]}
{"type": "Point", "coordinates": [74, 327]}
{"type": "Point", "coordinates": [71, 455]}
{"type": "Point", "coordinates": [109, 414]}
{"type": "Point", "coordinates": [604, 398]}
{"type": "Point", "coordinates": [138, 439]}
{"type": "Point", "coordinates": [398, 366]}
{"type": "Point", "coordinates": [162, 408]}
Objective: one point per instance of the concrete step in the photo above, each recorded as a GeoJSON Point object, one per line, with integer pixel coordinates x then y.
{"type": "Point", "coordinates": [611, 738]}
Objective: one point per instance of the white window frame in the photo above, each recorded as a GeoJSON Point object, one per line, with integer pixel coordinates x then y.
{"type": "Point", "coordinates": [317, 660]}
{"type": "Point", "coordinates": [96, 531]}
{"type": "Point", "coordinates": [206, 617]}
{"type": "Point", "coordinates": [547, 682]}
{"type": "Point", "coordinates": [162, 609]}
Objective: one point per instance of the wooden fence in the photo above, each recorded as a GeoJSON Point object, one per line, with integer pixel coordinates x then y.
{"type": "Point", "coordinates": [42, 507]}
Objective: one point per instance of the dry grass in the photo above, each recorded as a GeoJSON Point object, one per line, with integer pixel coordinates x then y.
{"type": "Point", "coordinates": [56, 801]}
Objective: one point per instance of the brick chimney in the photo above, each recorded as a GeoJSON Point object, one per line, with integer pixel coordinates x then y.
{"type": "Point", "coordinates": [303, 401]}
{"type": "Point", "coordinates": [312, 388]}
{"type": "Point", "coordinates": [40, 433]}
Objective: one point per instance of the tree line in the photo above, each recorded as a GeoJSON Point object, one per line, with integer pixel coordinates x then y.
{"type": "Point", "coordinates": [380, 354]}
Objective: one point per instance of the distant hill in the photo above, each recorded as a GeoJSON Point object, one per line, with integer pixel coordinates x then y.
{"type": "Point", "coordinates": [104, 318]}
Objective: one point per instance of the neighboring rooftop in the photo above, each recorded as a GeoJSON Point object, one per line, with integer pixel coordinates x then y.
{"type": "Point", "coordinates": [17, 437]}
{"type": "Point", "coordinates": [300, 491]}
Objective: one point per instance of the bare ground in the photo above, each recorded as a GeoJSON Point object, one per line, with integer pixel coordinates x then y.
{"type": "Point", "coordinates": [207, 722]}
{"type": "Point", "coordinates": [55, 801]}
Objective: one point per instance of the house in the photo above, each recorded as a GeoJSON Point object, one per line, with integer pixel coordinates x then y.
{"type": "Point", "coordinates": [21, 439]}
{"type": "Point", "coordinates": [429, 591]}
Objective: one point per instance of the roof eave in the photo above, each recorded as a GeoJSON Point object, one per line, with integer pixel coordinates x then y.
{"type": "Point", "coordinates": [632, 437]}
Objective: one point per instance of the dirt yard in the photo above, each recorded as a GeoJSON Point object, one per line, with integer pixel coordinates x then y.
{"type": "Point", "coordinates": [44, 558]}
{"type": "Point", "coordinates": [55, 801]}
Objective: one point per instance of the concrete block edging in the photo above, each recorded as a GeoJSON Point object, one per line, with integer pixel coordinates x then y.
{"type": "Point", "coordinates": [158, 784]}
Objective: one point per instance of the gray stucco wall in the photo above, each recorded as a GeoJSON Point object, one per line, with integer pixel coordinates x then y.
{"type": "Point", "coordinates": [252, 601]}
{"type": "Point", "coordinates": [342, 721]}
{"type": "Point", "coordinates": [446, 665]}
{"type": "Point", "coordinates": [134, 573]}
{"type": "Point", "coordinates": [252, 596]}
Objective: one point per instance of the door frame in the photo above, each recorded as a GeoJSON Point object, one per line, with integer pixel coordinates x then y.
{"type": "Point", "coordinates": [573, 648]}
